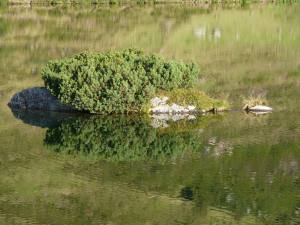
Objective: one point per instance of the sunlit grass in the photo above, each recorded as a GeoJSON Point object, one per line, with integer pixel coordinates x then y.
{"type": "Point", "coordinates": [235, 55]}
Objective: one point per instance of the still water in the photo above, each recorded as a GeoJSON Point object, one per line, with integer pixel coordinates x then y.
{"type": "Point", "coordinates": [230, 168]}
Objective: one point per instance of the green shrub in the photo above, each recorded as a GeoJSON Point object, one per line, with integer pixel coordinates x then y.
{"type": "Point", "coordinates": [114, 82]}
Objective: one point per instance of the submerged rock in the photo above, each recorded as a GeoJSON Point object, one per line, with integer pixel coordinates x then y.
{"type": "Point", "coordinates": [38, 98]}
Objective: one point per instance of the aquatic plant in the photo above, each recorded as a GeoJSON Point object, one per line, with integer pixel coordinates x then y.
{"type": "Point", "coordinates": [115, 81]}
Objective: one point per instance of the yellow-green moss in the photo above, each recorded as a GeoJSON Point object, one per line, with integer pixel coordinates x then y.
{"type": "Point", "coordinates": [196, 98]}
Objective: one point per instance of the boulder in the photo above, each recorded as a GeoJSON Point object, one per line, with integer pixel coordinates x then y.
{"type": "Point", "coordinates": [38, 98]}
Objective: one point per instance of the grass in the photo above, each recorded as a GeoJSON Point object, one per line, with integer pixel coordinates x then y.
{"type": "Point", "coordinates": [242, 3]}
{"type": "Point", "coordinates": [261, 51]}
{"type": "Point", "coordinates": [254, 100]}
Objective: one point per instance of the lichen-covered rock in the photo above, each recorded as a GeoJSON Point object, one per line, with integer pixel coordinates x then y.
{"type": "Point", "coordinates": [185, 101]}
{"type": "Point", "coordinates": [156, 101]}
{"type": "Point", "coordinates": [159, 105]}
{"type": "Point", "coordinates": [189, 101]}
{"type": "Point", "coordinates": [38, 98]}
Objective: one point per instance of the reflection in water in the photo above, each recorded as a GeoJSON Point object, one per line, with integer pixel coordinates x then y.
{"type": "Point", "coordinates": [42, 119]}
{"type": "Point", "coordinates": [121, 138]}
{"type": "Point", "coordinates": [216, 167]}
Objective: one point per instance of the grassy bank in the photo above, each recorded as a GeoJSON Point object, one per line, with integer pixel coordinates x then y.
{"type": "Point", "coordinates": [209, 2]}
{"type": "Point", "coordinates": [258, 54]}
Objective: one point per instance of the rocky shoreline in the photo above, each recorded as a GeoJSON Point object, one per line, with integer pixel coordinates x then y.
{"type": "Point", "coordinates": [40, 98]}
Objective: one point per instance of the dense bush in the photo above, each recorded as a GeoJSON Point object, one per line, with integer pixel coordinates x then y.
{"type": "Point", "coordinates": [114, 82]}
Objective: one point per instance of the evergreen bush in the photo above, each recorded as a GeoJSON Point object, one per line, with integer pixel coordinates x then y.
{"type": "Point", "coordinates": [115, 81]}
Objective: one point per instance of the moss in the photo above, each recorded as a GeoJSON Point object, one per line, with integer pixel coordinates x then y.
{"type": "Point", "coordinates": [196, 98]}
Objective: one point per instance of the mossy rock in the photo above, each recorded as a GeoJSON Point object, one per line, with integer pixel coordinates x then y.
{"type": "Point", "coordinates": [188, 100]}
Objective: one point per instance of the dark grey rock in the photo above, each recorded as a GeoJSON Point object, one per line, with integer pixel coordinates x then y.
{"type": "Point", "coordinates": [38, 98]}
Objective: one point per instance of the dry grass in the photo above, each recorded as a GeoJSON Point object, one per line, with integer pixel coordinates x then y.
{"type": "Point", "coordinates": [254, 99]}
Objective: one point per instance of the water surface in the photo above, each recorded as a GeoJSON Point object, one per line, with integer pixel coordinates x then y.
{"type": "Point", "coordinates": [231, 168]}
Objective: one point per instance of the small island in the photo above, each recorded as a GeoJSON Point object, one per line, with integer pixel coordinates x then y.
{"type": "Point", "coordinates": [118, 82]}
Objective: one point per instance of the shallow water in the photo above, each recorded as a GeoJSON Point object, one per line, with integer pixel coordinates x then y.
{"type": "Point", "coordinates": [230, 168]}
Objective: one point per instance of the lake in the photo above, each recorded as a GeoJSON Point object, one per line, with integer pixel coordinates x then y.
{"type": "Point", "coordinates": [226, 168]}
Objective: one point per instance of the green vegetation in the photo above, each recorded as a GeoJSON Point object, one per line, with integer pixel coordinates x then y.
{"type": "Point", "coordinates": [3, 2]}
{"type": "Point", "coordinates": [115, 82]}
{"type": "Point", "coordinates": [242, 3]}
